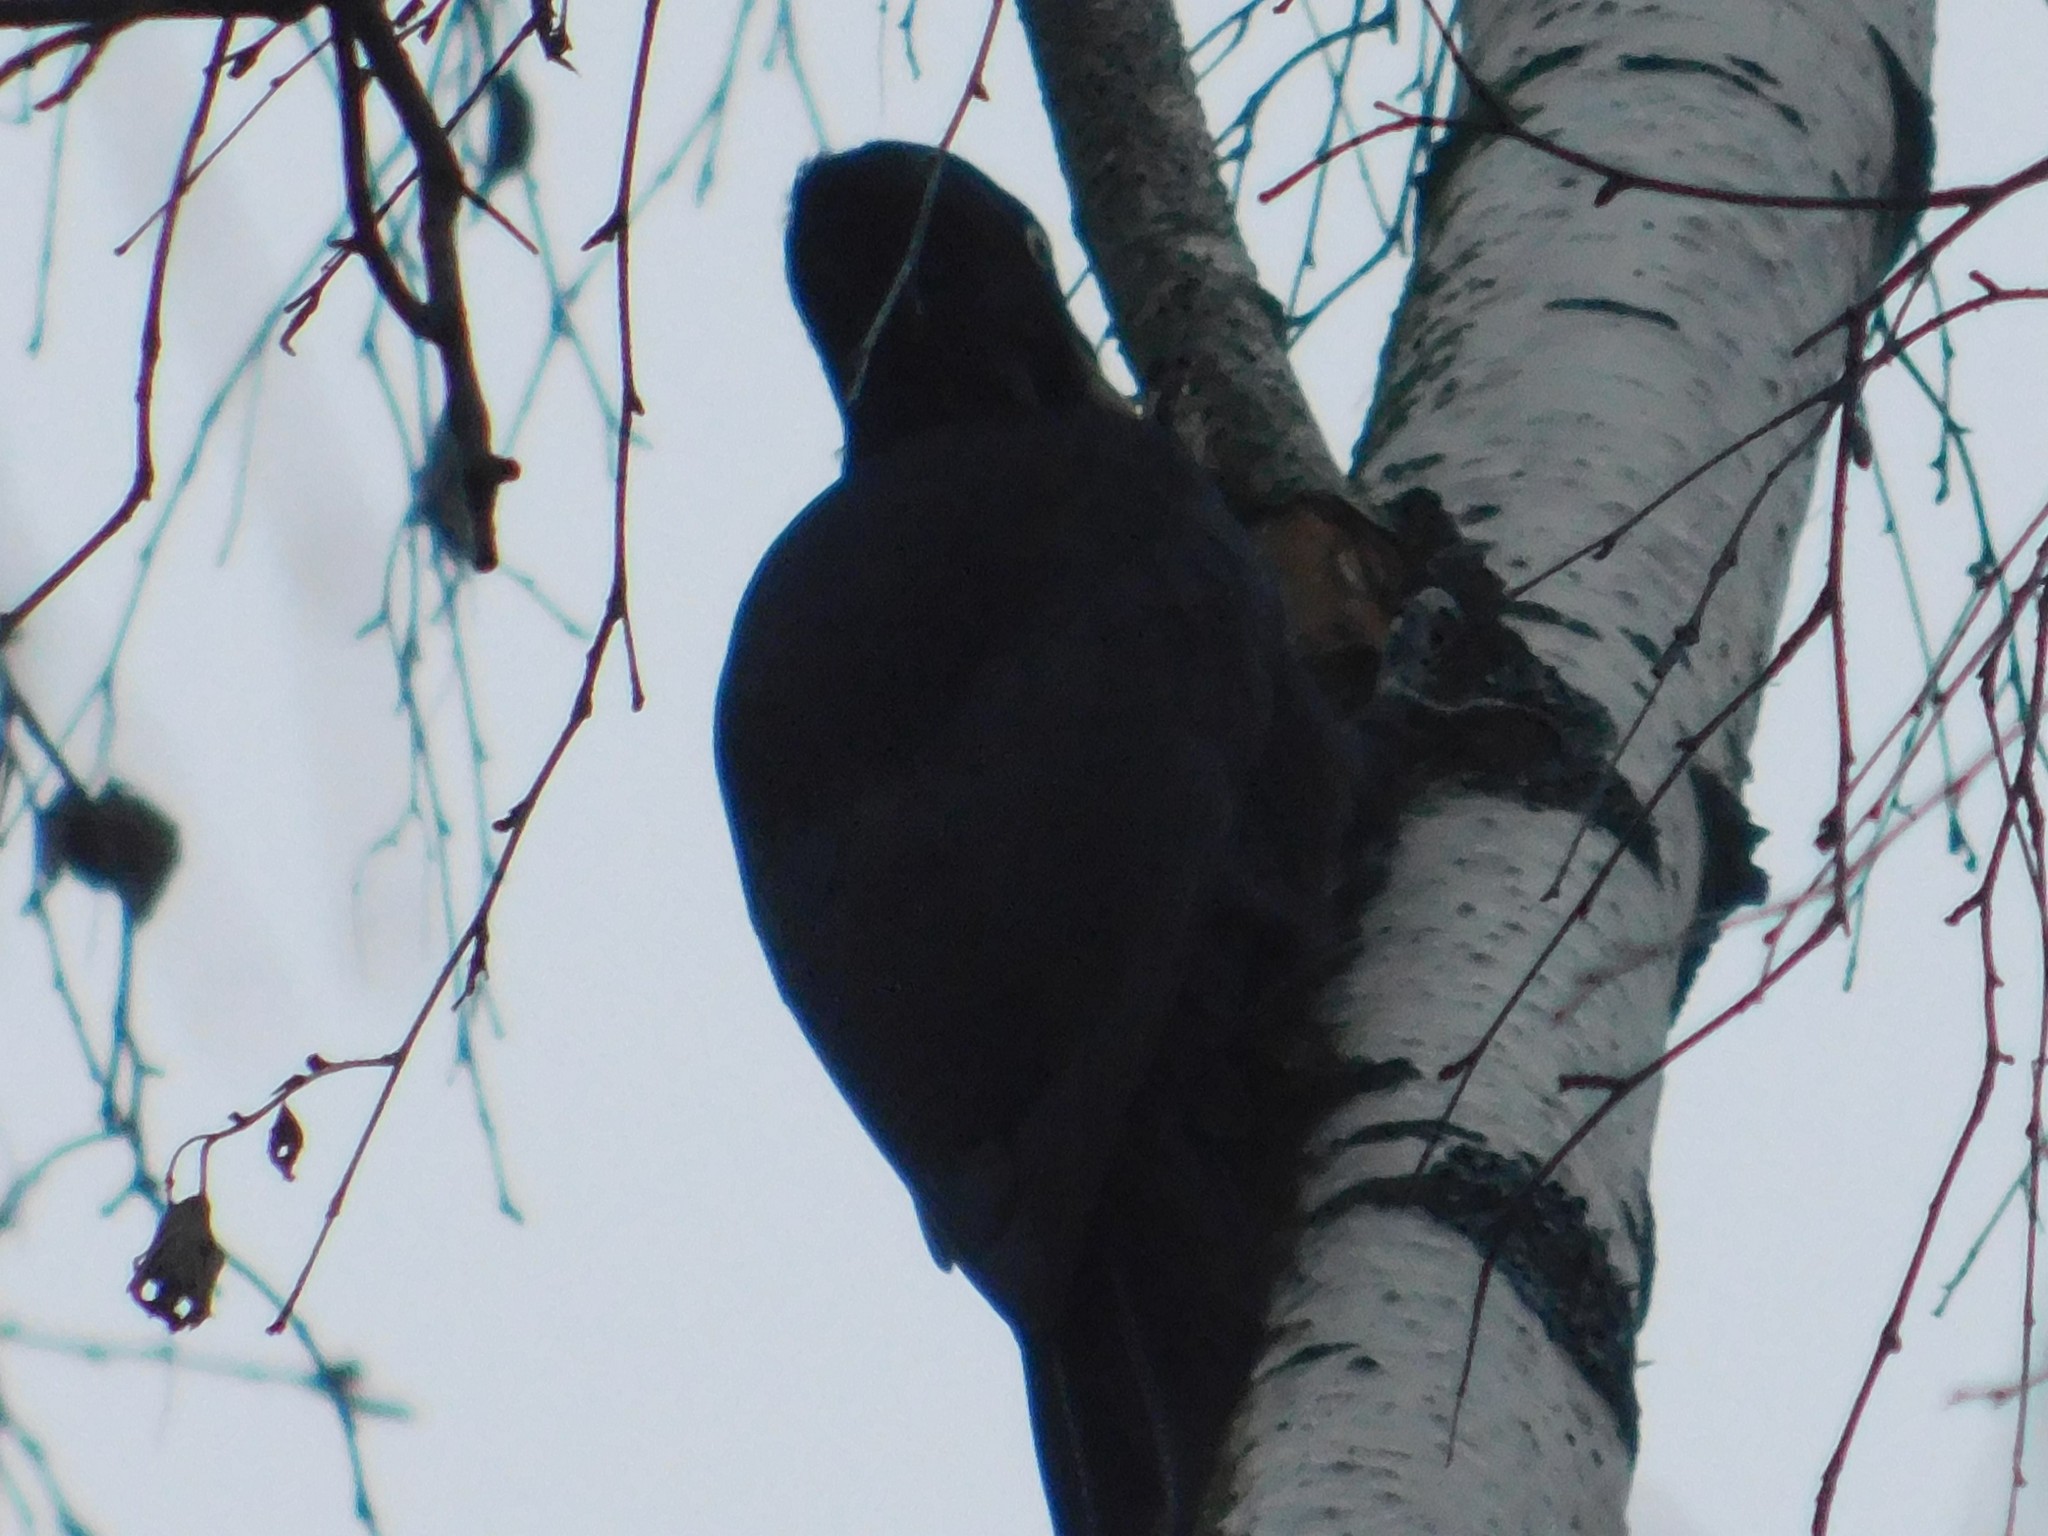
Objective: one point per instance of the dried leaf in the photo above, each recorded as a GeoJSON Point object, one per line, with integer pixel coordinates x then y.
{"type": "Point", "coordinates": [511, 130]}
{"type": "Point", "coordinates": [439, 501]}
{"type": "Point", "coordinates": [1861, 449]}
{"type": "Point", "coordinates": [287, 1141]}
{"type": "Point", "coordinates": [115, 840]}
{"type": "Point", "coordinates": [175, 1276]}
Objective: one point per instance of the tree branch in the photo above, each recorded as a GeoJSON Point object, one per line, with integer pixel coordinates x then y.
{"type": "Point", "coordinates": [1204, 339]}
{"type": "Point", "coordinates": [110, 14]}
{"type": "Point", "coordinates": [441, 320]}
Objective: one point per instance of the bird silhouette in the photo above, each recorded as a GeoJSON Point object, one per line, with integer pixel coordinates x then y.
{"type": "Point", "coordinates": [1042, 825]}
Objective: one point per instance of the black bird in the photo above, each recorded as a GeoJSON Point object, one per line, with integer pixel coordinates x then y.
{"type": "Point", "coordinates": [1042, 826]}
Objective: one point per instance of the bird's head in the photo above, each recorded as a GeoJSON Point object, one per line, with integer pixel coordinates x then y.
{"type": "Point", "coordinates": [930, 295]}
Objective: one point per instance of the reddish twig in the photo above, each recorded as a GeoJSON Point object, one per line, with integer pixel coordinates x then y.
{"type": "Point", "coordinates": [81, 70]}
{"type": "Point", "coordinates": [1465, 1067]}
{"type": "Point", "coordinates": [977, 87]}
{"type": "Point", "coordinates": [113, 14]}
{"type": "Point", "coordinates": [474, 942]}
{"type": "Point", "coordinates": [1835, 829]}
{"type": "Point", "coordinates": [317, 1069]}
{"type": "Point", "coordinates": [1891, 1336]}
{"type": "Point", "coordinates": [150, 350]}
{"type": "Point", "coordinates": [365, 240]}
{"type": "Point", "coordinates": [1999, 1396]}
{"type": "Point", "coordinates": [1399, 121]}
{"type": "Point", "coordinates": [2031, 1267]}
{"type": "Point", "coordinates": [92, 38]}
{"type": "Point", "coordinates": [302, 305]}
{"type": "Point", "coordinates": [244, 59]}
{"type": "Point", "coordinates": [617, 228]}
{"type": "Point", "coordinates": [89, 37]}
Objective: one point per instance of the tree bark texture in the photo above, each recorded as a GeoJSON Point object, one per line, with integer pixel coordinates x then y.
{"type": "Point", "coordinates": [1559, 362]}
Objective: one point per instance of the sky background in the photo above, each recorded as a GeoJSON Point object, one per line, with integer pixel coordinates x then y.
{"type": "Point", "coordinates": [717, 1314]}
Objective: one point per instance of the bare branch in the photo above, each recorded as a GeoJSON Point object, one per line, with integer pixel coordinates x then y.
{"type": "Point", "coordinates": [107, 15]}
{"type": "Point", "coordinates": [1204, 339]}
{"type": "Point", "coordinates": [441, 318]}
{"type": "Point", "coordinates": [473, 944]}
{"type": "Point", "coordinates": [150, 350]}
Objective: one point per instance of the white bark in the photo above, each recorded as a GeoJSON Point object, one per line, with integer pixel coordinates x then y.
{"type": "Point", "coordinates": [1555, 367]}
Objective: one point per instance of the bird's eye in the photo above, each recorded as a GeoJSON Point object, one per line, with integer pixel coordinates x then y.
{"type": "Point", "coordinates": [1040, 248]}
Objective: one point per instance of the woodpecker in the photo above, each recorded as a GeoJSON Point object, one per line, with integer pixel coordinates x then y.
{"type": "Point", "coordinates": [1042, 825]}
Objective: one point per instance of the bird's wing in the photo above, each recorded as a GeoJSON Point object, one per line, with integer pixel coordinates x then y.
{"type": "Point", "coordinates": [984, 733]}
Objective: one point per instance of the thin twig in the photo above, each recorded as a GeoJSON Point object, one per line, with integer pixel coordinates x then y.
{"type": "Point", "coordinates": [473, 943]}
{"type": "Point", "coordinates": [150, 350]}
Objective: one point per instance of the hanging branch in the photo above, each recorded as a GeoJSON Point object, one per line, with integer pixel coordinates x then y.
{"type": "Point", "coordinates": [438, 317]}
{"type": "Point", "coordinates": [150, 351]}
{"type": "Point", "coordinates": [470, 952]}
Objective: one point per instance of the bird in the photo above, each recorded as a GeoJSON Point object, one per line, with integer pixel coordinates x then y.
{"type": "Point", "coordinates": [1043, 826]}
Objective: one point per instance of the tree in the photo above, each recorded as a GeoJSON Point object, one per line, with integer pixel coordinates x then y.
{"type": "Point", "coordinates": [1541, 704]}
{"type": "Point", "coordinates": [1571, 321]}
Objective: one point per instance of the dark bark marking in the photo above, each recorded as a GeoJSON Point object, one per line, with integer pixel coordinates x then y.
{"type": "Point", "coordinates": [1463, 699]}
{"type": "Point", "coordinates": [1729, 875]}
{"type": "Point", "coordinates": [1650, 650]}
{"type": "Point", "coordinates": [1430, 1129]}
{"type": "Point", "coordinates": [1667, 64]}
{"type": "Point", "coordinates": [1640, 1223]}
{"type": "Point", "coordinates": [1536, 68]}
{"type": "Point", "coordinates": [1543, 1245]}
{"type": "Point", "coordinates": [1367, 1077]}
{"type": "Point", "coordinates": [1741, 80]}
{"type": "Point", "coordinates": [1542, 613]}
{"type": "Point", "coordinates": [1615, 307]}
{"type": "Point", "coordinates": [1309, 1354]}
{"type": "Point", "coordinates": [1408, 467]}
{"type": "Point", "coordinates": [1912, 168]}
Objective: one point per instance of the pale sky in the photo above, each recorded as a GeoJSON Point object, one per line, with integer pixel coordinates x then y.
{"type": "Point", "coordinates": [718, 1315]}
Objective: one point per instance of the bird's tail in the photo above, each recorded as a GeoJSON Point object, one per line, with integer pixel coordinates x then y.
{"type": "Point", "coordinates": [1133, 1388]}
{"type": "Point", "coordinates": [1118, 1445]}
{"type": "Point", "coordinates": [1132, 1392]}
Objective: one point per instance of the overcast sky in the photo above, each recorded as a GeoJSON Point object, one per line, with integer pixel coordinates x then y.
{"type": "Point", "coordinates": [717, 1314]}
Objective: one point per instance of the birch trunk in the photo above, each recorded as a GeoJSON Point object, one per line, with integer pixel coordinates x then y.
{"type": "Point", "coordinates": [1556, 365]}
